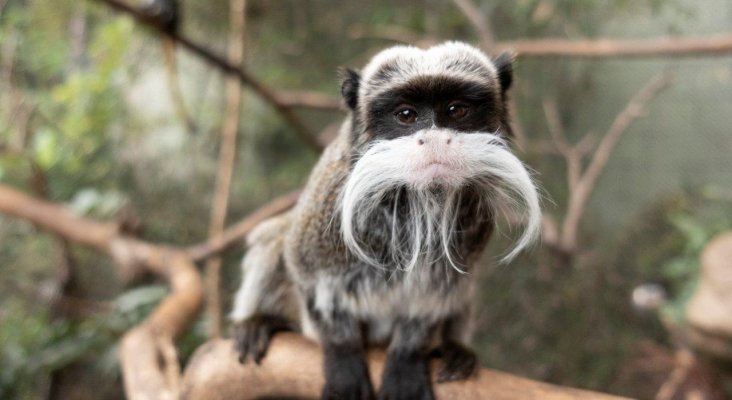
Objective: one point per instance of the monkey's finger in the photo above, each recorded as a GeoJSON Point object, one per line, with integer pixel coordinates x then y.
{"type": "Point", "coordinates": [261, 343]}
{"type": "Point", "coordinates": [241, 334]}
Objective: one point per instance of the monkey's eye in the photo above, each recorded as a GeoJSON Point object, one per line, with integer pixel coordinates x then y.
{"type": "Point", "coordinates": [406, 115]}
{"type": "Point", "coordinates": [457, 110]}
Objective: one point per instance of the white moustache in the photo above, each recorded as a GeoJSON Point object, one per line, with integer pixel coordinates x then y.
{"type": "Point", "coordinates": [421, 162]}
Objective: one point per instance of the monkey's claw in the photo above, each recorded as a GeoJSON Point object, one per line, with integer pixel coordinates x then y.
{"type": "Point", "coordinates": [252, 335]}
{"type": "Point", "coordinates": [458, 363]}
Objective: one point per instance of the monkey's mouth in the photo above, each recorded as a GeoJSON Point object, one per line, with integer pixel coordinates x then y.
{"type": "Point", "coordinates": [436, 172]}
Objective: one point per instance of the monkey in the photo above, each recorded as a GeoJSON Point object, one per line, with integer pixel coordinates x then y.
{"type": "Point", "coordinates": [382, 245]}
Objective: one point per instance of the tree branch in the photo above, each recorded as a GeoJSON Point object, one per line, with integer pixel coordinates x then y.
{"type": "Point", "coordinates": [145, 350]}
{"type": "Point", "coordinates": [586, 183]}
{"type": "Point", "coordinates": [572, 157]}
{"type": "Point", "coordinates": [718, 45]}
{"type": "Point", "coordinates": [236, 233]}
{"type": "Point", "coordinates": [223, 64]}
{"type": "Point", "coordinates": [227, 159]}
{"type": "Point", "coordinates": [293, 369]}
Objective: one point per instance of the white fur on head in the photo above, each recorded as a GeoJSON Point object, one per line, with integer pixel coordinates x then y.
{"type": "Point", "coordinates": [399, 64]}
{"type": "Point", "coordinates": [420, 163]}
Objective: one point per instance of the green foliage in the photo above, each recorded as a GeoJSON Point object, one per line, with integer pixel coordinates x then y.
{"type": "Point", "coordinates": [84, 107]}
{"type": "Point", "coordinates": [35, 345]}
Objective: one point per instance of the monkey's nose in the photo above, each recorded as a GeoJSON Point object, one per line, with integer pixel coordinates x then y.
{"type": "Point", "coordinates": [434, 138]}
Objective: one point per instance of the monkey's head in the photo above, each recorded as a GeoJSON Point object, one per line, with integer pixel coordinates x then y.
{"type": "Point", "coordinates": [430, 127]}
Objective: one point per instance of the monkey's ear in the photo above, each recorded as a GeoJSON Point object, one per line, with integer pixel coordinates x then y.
{"type": "Point", "coordinates": [349, 87]}
{"type": "Point", "coordinates": [504, 65]}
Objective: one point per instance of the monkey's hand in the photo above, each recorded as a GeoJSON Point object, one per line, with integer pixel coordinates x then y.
{"type": "Point", "coordinates": [458, 362]}
{"type": "Point", "coordinates": [252, 335]}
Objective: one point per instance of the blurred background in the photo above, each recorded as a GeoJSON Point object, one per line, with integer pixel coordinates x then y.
{"type": "Point", "coordinates": [95, 117]}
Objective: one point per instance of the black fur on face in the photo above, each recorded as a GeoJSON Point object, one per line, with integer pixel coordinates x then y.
{"type": "Point", "coordinates": [431, 98]}
{"type": "Point", "coordinates": [504, 65]}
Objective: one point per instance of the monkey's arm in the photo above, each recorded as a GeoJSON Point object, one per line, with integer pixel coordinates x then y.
{"type": "Point", "coordinates": [263, 304]}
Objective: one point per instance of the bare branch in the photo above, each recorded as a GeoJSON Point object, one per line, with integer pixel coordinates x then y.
{"type": "Point", "coordinates": [223, 64]}
{"type": "Point", "coordinates": [572, 157]}
{"type": "Point", "coordinates": [556, 128]}
{"type": "Point", "coordinates": [586, 184]}
{"type": "Point", "coordinates": [176, 94]}
{"type": "Point", "coordinates": [227, 159]}
{"type": "Point", "coordinates": [236, 233]}
{"type": "Point", "coordinates": [718, 45]}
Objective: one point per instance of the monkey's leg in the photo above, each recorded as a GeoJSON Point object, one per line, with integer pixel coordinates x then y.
{"type": "Point", "coordinates": [458, 361]}
{"type": "Point", "coordinates": [406, 374]}
{"type": "Point", "coordinates": [263, 304]}
{"type": "Point", "coordinates": [345, 367]}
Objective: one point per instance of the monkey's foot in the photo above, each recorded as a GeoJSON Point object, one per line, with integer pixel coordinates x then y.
{"type": "Point", "coordinates": [458, 362]}
{"type": "Point", "coordinates": [406, 377]}
{"type": "Point", "coordinates": [347, 377]}
{"type": "Point", "coordinates": [252, 335]}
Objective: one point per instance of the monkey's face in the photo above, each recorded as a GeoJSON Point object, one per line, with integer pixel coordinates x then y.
{"type": "Point", "coordinates": [432, 123]}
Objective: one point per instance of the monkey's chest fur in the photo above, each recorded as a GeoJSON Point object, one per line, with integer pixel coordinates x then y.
{"type": "Point", "coordinates": [331, 281]}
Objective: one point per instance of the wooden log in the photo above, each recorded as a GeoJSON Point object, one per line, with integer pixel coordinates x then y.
{"type": "Point", "coordinates": [293, 369]}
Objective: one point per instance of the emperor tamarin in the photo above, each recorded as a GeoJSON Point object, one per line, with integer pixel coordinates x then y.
{"type": "Point", "coordinates": [381, 248]}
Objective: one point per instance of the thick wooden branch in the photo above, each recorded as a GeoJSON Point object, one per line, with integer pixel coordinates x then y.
{"type": "Point", "coordinates": [150, 367]}
{"type": "Point", "coordinates": [293, 369]}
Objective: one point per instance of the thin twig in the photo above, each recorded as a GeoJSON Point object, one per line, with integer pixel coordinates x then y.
{"type": "Point", "coordinates": [227, 159]}
{"type": "Point", "coordinates": [479, 22]}
{"type": "Point", "coordinates": [586, 183]}
{"type": "Point", "coordinates": [572, 157]}
{"type": "Point", "coordinates": [236, 233]}
{"type": "Point", "coordinates": [519, 133]}
{"type": "Point", "coordinates": [176, 94]}
{"type": "Point", "coordinates": [683, 363]}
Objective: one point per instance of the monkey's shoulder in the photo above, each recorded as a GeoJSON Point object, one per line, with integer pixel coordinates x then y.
{"type": "Point", "coordinates": [314, 234]}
